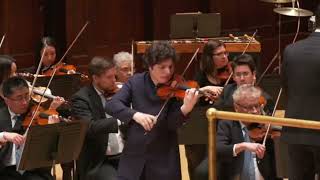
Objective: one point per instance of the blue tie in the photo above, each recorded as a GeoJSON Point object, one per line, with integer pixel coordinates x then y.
{"type": "Point", "coordinates": [248, 171]}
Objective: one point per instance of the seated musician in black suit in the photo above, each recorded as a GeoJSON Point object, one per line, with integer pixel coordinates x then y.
{"type": "Point", "coordinates": [103, 144]}
{"type": "Point", "coordinates": [16, 96]}
{"type": "Point", "coordinates": [238, 157]}
{"type": "Point", "coordinates": [244, 72]}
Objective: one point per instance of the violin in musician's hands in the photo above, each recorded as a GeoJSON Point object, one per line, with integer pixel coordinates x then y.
{"type": "Point", "coordinates": [178, 86]}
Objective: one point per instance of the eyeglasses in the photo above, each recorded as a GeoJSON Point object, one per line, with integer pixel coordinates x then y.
{"type": "Point", "coordinates": [221, 54]}
{"type": "Point", "coordinates": [239, 74]}
{"type": "Point", "coordinates": [250, 108]}
{"type": "Point", "coordinates": [20, 98]}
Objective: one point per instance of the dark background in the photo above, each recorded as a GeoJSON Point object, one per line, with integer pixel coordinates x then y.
{"type": "Point", "coordinates": [114, 24]}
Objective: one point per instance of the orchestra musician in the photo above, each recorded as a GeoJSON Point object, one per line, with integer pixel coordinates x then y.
{"type": "Point", "coordinates": [16, 96]}
{"type": "Point", "coordinates": [123, 62]}
{"type": "Point", "coordinates": [244, 72]}
{"type": "Point", "coordinates": [48, 48]}
{"type": "Point", "coordinates": [151, 150]}
{"type": "Point", "coordinates": [101, 150]}
{"type": "Point", "coordinates": [238, 156]}
{"type": "Point", "coordinates": [213, 73]}
{"type": "Point", "coordinates": [299, 74]}
{"type": "Point", "coordinates": [8, 69]}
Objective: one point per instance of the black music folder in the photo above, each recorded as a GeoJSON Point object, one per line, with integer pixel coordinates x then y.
{"type": "Point", "coordinates": [52, 144]}
{"type": "Point", "coordinates": [194, 25]}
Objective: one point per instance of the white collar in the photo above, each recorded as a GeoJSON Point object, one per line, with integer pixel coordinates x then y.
{"type": "Point", "coordinates": [317, 30]}
{"type": "Point", "coordinates": [12, 114]}
{"type": "Point", "coordinates": [242, 125]}
{"type": "Point", "coordinates": [97, 90]}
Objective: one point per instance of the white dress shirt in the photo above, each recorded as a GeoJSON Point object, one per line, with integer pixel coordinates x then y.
{"type": "Point", "coordinates": [12, 161]}
{"type": "Point", "coordinates": [257, 172]}
{"type": "Point", "coordinates": [118, 136]}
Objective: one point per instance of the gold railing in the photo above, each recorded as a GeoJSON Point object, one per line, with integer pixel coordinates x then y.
{"type": "Point", "coordinates": [213, 114]}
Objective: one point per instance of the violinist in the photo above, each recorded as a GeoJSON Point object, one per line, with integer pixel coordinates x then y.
{"type": "Point", "coordinates": [16, 96]}
{"type": "Point", "coordinates": [48, 48]}
{"type": "Point", "coordinates": [103, 145]}
{"type": "Point", "coordinates": [214, 71]}
{"type": "Point", "coordinates": [214, 67]}
{"type": "Point", "coordinates": [123, 62]}
{"type": "Point", "coordinates": [151, 151]}
{"type": "Point", "coordinates": [238, 157]}
{"type": "Point", "coordinates": [244, 72]}
{"type": "Point", "coordinates": [8, 69]}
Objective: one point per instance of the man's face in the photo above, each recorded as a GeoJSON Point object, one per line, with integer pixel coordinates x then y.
{"type": "Point", "coordinates": [220, 57]}
{"type": "Point", "coordinates": [243, 75]}
{"type": "Point", "coordinates": [161, 73]}
{"type": "Point", "coordinates": [19, 100]}
{"type": "Point", "coordinates": [248, 105]}
{"type": "Point", "coordinates": [106, 80]}
{"type": "Point", "coordinates": [124, 71]}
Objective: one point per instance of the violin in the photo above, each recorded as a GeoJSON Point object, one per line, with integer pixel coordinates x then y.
{"type": "Point", "coordinates": [40, 118]}
{"type": "Point", "coordinates": [62, 69]}
{"type": "Point", "coordinates": [177, 87]}
{"type": "Point", "coordinates": [257, 132]}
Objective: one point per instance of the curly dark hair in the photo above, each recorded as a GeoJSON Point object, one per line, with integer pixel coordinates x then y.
{"type": "Point", "coordinates": [158, 52]}
{"type": "Point", "coordinates": [206, 63]}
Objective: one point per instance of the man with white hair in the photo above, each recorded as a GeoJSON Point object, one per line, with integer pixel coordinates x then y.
{"type": "Point", "coordinates": [124, 66]}
{"type": "Point", "coordinates": [238, 155]}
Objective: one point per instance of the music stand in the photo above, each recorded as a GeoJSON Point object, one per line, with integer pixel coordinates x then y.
{"type": "Point", "coordinates": [61, 85]}
{"type": "Point", "coordinates": [183, 25]}
{"type": "Point", "coordinates": [194, 25]}
{"type": "Point", "coordinates": [52, 144]}
{"type": "Point", "coordinates": [209, 25]}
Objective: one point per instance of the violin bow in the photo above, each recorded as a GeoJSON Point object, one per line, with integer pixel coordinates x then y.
{"type": "Point", "coordinates": [52, 75]}
{"type": "Point", "coordinates": [273, 113]}
{"type": "Point", "coordinates": [39, 66]}
{"type": "Point", "coordinates": [244, 51]}
{"type": "Point", "coordinates": [2, 40]}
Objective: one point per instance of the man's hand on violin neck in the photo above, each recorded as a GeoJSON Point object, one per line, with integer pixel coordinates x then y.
{"type": "Point", "coordinates": [190, 99]}
{"type": "Point", "coordinates": [147, 121]}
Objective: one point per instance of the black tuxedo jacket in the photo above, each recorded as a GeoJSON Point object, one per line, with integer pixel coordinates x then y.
{"type": "Point", "coordinates": [87, 106]}
{"type": "Point", "coordinates": [300, 79]}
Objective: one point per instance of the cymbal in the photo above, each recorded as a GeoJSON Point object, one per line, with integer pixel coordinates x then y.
{"type": "Point", "coordinates": [277, 1]}
{"type": "Point", "coordinates": [289, 11]}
